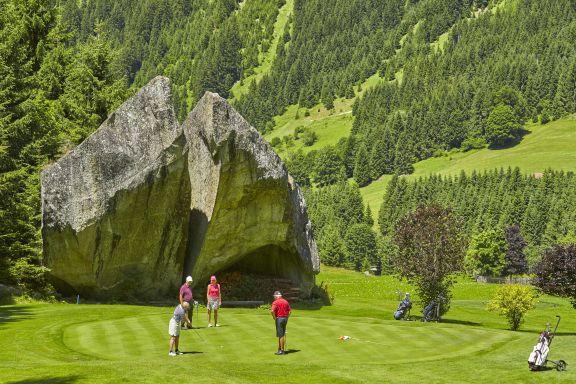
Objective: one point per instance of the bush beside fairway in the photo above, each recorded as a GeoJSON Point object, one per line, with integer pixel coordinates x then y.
{"type": "Point", "coordinates": [61, 343]}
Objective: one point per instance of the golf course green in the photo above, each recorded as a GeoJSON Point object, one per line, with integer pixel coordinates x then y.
{"type": "Point", "coordinates": [94, 343]}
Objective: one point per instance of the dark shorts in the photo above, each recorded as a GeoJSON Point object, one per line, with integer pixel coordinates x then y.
{"type": "Point", "coordinates": [281, 326]}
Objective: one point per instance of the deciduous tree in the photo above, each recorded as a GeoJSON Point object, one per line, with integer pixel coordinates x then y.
{"type": "Point", "coordinates": [486, 254]}
{"type": "Point", "coordinates": [431, 246]}
{"type": "Point", "coordinates": [556, 272]}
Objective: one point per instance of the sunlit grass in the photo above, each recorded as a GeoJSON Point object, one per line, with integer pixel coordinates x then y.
{"type": "Point", "coordinates": [68, 343]}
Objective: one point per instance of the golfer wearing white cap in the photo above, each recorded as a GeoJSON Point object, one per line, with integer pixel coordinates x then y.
{"type": "Point", "coordinates": [280, 313]}
{"type": "Point", "coordinates": [186, 296]}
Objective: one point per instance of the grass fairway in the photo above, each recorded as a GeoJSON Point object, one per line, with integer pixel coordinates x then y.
{"type": "Point", "coordinates": [65, 343]}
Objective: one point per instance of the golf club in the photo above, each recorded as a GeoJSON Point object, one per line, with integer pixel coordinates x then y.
{"type": "Point", "coordinates": [199, 335]}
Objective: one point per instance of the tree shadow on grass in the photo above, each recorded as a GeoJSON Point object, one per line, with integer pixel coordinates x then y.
{"type": "Point", "coordinates": [461, 322]}
{"type": "Point", "coordinates": [536, 332]}
{"type": "Point", "coordinates": [513, 142]}
{"type": "Point", "coordinates": [13, 314]}
{"type": "Point", "coordinates": [48, 380]}
{"type": "Point", "coordinates": [311, 305]}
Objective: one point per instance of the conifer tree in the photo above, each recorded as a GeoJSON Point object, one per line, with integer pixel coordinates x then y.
{"type": "Point", "coordinates": [361, 245]}
{"type": "Point", "coordinates": [328, 167]}
{"type": "Point", "coordinates": [332, 247]}
{"type": "Point", "coordinates": [516, 263]}
{"type": "Point", "coordinates": [565, 99]}
{"type": "Point", "coordinates": [403, 156]}
{"type": "Point", "coordinates": [362, 167]}
{"type": "Point", "coordinates": [368, 216]}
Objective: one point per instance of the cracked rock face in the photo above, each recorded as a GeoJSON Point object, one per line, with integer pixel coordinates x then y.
{"type": "Point", "coordinates": [144, 201]}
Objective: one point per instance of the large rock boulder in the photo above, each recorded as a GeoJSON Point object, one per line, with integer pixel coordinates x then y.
{"type": "Point", "coordinates": [246, 211]}
{"type": "Point", "coordinates": [144, 201]}
{"type": "Point", "coordinates": [115, 209]}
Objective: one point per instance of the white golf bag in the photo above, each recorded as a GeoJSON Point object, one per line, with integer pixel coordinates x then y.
{"type": "Point", "coordinates": [539, 355]}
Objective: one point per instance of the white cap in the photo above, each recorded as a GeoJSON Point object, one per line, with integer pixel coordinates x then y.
{"type": "Point", "coordinates": [189, 279]}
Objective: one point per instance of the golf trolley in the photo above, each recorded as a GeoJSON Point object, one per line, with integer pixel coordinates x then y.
{"type": "Point", "coordinates": [539, 356]}
{"type": "Point", "coordinates": [403, 310]}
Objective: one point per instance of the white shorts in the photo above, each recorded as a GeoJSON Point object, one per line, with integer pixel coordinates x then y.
{"type": "Point", "coordinates": [173, 328]}
{"type": "Point", "coordinates": [213, 304]}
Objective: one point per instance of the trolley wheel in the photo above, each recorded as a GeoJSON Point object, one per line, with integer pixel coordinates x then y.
{"type": "Point", "coordinates": [561, 365]}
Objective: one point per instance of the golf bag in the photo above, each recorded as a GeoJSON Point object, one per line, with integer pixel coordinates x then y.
{"type": "Point", "coordinates": [432, 311]}
{"type": "Point", "coordinates": [539, 356]}
{"type": "Point", "coordinates": [403, 310]}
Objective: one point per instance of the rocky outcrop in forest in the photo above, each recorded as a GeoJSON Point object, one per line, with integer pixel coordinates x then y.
{"type": "Point", "coordinates": [145, 201]}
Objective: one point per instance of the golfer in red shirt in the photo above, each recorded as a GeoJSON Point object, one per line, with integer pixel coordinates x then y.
{"type": "Point", "coordinates": [280, 312]}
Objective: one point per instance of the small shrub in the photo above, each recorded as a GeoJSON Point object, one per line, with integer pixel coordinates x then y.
{"type": "Point", "coordinates": [440, 153]}
{"type": "Point", "coordinates": [288, 140]}
{"type": "Point", "coordinates": [513, 301]}
{"type": "Point", "coordinates": [276, 141]}
{"type": "Point", "coordinates": [298, 130]}
{"type": "Point", "coordinates": [269, 127]}
{"type": "Point", "coordinates": [309, 137]}
{"type": "Point", "coordinates": [473, 143]}
{"type": "Point", "coordinates": [322, 294]}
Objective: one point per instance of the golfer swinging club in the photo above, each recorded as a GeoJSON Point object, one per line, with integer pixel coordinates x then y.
{"type": "Point", "coordinates": [174, 327]}
{"type": "Point", "coordinates": [280, 313]}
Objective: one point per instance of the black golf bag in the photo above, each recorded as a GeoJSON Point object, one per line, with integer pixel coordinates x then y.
{"type": "Point", "coordinates": [403, 310]}
{"type": "Point", "coordinates": [432, 311]}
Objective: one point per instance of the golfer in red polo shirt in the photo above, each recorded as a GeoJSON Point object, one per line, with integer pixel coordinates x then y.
{"type": "Point", "coordinates": [280, 312]}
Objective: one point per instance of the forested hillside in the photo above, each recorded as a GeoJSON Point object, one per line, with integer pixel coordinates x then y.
{"type": "Point", "coordinates": [52, 95]}
{"type": "Point", "coordinates": [200, 45]}
{"type": "Point", "coordinates": [543, 206]}
{"type": "Point", "coordinates": [449, 74]}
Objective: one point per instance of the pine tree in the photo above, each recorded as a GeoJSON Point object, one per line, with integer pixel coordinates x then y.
{"type": "Point", "coordinates": [368, 216]}
{"type": "Point", "coordinates": [403, 156]}
{"type": "Point", "coordinates": [516, 263]}
{"type": "Point", "coordinates": [362, 167]}
{"type": "Point", "coordinates": [332, 247]}
{"type": "Point", "coordinates": [327, 167]}
{"type": "Point", "coordinates": [565, 99]}
{"type": "Point", "coordinates": [361, 245]}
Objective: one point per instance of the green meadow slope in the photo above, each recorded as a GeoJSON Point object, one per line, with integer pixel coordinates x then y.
{"type": "Point", "coordinates": [67, 343]}
{"type": "Point", "coordinates": [545, 146]}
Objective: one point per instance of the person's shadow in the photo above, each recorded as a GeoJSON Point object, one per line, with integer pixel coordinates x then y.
{"type": "Point", "coordinates": [291, 351]}
{"type": "Point", "coordinates": [191, 353]}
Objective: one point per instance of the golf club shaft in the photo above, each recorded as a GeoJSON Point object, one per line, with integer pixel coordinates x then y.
{"type": "Point", "coordinates": [558, 322]}
{"type": "Point", "coordinates": [554, 334]}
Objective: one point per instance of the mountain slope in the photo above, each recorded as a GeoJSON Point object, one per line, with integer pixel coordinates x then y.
{"type": "Point", "coordinates": [550, 146]}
